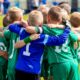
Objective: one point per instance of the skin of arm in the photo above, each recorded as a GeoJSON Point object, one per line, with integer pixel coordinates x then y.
{"type": "Point", "coordinates": [1, 34]}
{"type": "Point", "coordinates": [21, 43]}
{"type": "Point", "coordinates": [4, 54]}
{"type": "Point", "coordinates": [32, 29]}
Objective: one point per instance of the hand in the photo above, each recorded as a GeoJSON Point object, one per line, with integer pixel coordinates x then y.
{"type": "Point", "coordinates": [67, 24]}
{"type": "Point", "coordinates": [34, 36]}
{"type": "Point", "coordinates": [24, 23]}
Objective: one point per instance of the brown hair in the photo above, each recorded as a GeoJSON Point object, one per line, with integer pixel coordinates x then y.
{"type": "Point", "coordinates": [75, 19]}
{"type": "Point", "coordinates": [15, 14]}
{"type": "Point", "coordinates": [66, 6]}
{"type": "Point", "coordinates": [6, 21]}
{"type": "Point", "coordinates": [55, 13]}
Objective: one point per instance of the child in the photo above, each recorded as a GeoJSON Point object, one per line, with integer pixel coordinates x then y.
{"type": "Point", "coordinates": [45, 73]}
{"type": "Point", "coordinates": [28, 63]}
{"type": "Point", "coordinates": [3, 54]}
{"type": "Point", "coordinates": [75, 21]}
{"type": "Point", "coordinates": [14, 14]}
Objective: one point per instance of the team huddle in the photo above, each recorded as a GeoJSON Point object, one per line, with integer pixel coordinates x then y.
{"type": "Point", "coordinates": [46, 45]}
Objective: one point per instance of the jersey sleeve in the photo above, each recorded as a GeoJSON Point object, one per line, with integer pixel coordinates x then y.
{"type": "Point", "coordinates": [53, 40]}
{"type": "Point", "coordinates": [73, 36]}
{"type": "Point", "coordinates": [15, 29]}
{"type": "Point", "coordinates": [7, 34]}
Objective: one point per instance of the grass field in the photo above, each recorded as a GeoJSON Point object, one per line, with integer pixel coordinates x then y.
{"type": "Point", "coordinates": [1, 18]}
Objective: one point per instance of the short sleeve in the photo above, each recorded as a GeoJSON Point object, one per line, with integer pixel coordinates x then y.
{"type": "Point", "coordinates": [73, 36]}
{"type": "Point", "coordinates": [7, 34]}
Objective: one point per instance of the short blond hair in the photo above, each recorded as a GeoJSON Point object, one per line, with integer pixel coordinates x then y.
{"type": "Point", "coordinates": [15, 13]}
{"type": "Point", "coordinates": [75, 19]}
{"type": "Point", "coordinates": [35, 18]}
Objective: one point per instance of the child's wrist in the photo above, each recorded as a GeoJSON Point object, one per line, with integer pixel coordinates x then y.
{"type": "Point", "coordinates": [27, 40]}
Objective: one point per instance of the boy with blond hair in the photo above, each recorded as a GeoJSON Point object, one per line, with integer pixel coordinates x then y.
{"type": "Point", "coordinates": [35, 18]}
{"type": "Point", "coordinates": [14, 14]}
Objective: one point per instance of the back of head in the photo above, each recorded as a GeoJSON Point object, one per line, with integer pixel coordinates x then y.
{"type": "Point", "coordinates": [66, 6]}
{"type": "Point", "coordinates": [6, 21]}
{"type": "Point", "coordinates": [75, 19]}
{"type": "Point", "coordinates": [35, 18]}
{"type": "Point", "coordinates": [15, 14]}
{"type": "Point", "coordinates": [44, 9]}
{"type": "Point", "coordinates": [55, 13]}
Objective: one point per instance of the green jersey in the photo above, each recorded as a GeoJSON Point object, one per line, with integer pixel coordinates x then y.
{"type": "Point", "coordinates": [12, 53]}
{"type": "Point", "coordinates": [3, 47]}
{"type": "Point", "coordinates": [58, 54]}
{"type": "Point", "coordinates": [12, 38]}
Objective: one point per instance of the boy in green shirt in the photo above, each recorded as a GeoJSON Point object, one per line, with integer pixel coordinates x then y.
{"type": "Point", "coordinates": [14, 14]}
{"type": "Point", "coordinates": [75, 21]}
{"type": "Point", "coordinates": [3, 52]}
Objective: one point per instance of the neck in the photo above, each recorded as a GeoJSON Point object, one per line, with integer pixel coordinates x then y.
{"type": "Point", "coordinates": [16, 22]}
{"type": "Point", "coordinates": [54, 22]}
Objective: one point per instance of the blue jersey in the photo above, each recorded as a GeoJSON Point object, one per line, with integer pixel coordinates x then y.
{"type": "Point", "coordinates": [29, 59]}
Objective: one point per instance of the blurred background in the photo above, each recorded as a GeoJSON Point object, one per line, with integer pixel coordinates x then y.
{"type": "Point", "coordinates": [29, 5]}
{"type": "Point", "coordinates": [26, 4]}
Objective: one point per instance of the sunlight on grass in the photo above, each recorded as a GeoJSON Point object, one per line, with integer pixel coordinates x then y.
{"type": "Point", "coordinates": [42, 78]}
{"type": "Point", "coordinates": [1, 18]}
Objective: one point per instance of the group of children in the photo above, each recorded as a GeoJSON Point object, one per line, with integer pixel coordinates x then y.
{"type": "Point", "coordinates": [46, 45]}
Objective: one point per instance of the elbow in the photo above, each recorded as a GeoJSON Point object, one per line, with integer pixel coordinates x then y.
{"type": "Point", "coordinates": [16, 46]}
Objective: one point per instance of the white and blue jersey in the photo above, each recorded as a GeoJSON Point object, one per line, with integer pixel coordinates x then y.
{"type": "Point", "coordinates": [30, 55]}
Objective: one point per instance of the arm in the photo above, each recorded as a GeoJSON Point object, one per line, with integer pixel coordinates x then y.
{"type": "Point", "coordinates": [32, 29]}
{"type": "Point", "coordinates": [14, 28]}
{"type": "Point", "coordinates": [36, 29]}
{"type": "Point", "coordinates": [45, 39]}
{"type": "Point", "coordinates": [22, 43]}
{"type": "Point", "coordinates": [75, 35]}
{"type": "Point", "coordinates": [53, 40]}
{"type": "Point", "coordinates": [4, 54]}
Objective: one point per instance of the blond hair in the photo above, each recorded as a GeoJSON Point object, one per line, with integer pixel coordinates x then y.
{"type": "Point", "coordinates": [75, 19]}
{"type": "Point", "coordinates": [15, 14]}
{"type": "Point", "coordinates": [35, 18]}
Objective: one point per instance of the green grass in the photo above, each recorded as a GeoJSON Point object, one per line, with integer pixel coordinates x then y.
{"type": "Point", "coordinates": [1, 19]}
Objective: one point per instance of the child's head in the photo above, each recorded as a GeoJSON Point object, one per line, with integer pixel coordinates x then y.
{"type": "Point", "coordinates": [66, 6]}
{"type": "Point", "coordinates": [15, 14]}
{"type": "Point", "coordinates": [75, 19]}
{"type": "Point", "coordinates": [6, 21]}
{"type": "Point", "coordinates": [35, 18]}
{"type": "Point", "coordinates": [44, 9]}
{"type": "Point", "coordinates": [55, 15]}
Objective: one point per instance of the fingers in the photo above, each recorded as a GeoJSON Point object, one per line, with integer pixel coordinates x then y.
{"type": "Point", "coordinates": [35, 36]}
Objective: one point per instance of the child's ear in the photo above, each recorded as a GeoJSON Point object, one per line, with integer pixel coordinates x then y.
{"type": "Point", "coordinates": [21, 18]}
{"type": "Point", "coordinates": [48, 18]}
